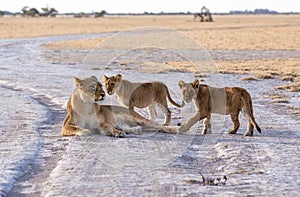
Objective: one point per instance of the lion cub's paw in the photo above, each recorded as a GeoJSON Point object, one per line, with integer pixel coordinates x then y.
{"type": "Point", "coordinates": [171, 129]}
{"type": "Point", "coordinates": [248, 133]}
{"type": "Point", "coordinates": [177, 129]}
{"type": "Point", "coordinates": [232, 131]}
{"type": "Point", "coordinates": [120, 134]}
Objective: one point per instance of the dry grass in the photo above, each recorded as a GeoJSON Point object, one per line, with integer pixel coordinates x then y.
{"type": "Point", "coordinates": [75, 44]}
{"type": "Point", "coordinates": [255, 32]}
{"type": "Point", "coordinates": [273, 67]}
{"type": "Point", "coordinates": [274, 96]}
{"type": "Point", "coordinates": [280, 101]}
{"type": "Point", "coordinates": [284, 69]}
{"type": "Point", "coordinates": [294, 111]}
{"type": "Point", "coordinates": [259, 32]}
{"type": "Point", "coordinates": [295, 87]}
{"type": "Point", "coordinates": [249, 78]}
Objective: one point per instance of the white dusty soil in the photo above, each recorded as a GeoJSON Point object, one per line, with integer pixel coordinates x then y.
{"type": "Point", "coordinates": [36, 161]}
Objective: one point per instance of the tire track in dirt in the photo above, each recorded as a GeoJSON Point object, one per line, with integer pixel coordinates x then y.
{"type": "Point", "coordinates": [49, 150]}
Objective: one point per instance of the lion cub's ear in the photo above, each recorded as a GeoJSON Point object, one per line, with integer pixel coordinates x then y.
{"type": "Point", "coordinates": [180, 84]}
{"type": "Point", "coordinates": [78, 82]}
{"type": "Point", "coordinates": [119, 77]}
{"type": "Point", "coordinates": [104, 78]}
{"type": "Point", "coordinates": [196, 84]}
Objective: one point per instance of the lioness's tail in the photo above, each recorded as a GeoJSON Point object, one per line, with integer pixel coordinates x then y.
{"type": "Point", "coordinates": [247, 106]}
{"type": "Point", "coordinates": [172, 101]}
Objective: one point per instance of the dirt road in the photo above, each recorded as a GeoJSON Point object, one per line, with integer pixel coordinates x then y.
{"type": "Point", "coordinates": [37, 161]}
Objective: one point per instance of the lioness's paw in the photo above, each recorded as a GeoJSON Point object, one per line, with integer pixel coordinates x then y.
{"type": "Point", "coordinates": [84, 132]}
{"type": "Point", "coordinates": [120, 134]}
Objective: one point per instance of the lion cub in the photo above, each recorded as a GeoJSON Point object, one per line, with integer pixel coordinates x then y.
{"type": "Point", "coordinates": [208, 100]}
{"type": "Point", "coordinates": [84, 115]}
{"type": "Point", "coordinates": [141, 95]}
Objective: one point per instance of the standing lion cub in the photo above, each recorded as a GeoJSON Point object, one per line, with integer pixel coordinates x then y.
{"type": "Point", "coordinates": [141, 95]}
{"type": "Point", "coordinates": [208, 100]}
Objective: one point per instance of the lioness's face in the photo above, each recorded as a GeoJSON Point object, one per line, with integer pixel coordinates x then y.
{"type": "Point", "coordinates": [91, 88]}
{"type": "Point", "coordinates": [188, 91]}
{"type": "Point", "coordinates": [111, 83]}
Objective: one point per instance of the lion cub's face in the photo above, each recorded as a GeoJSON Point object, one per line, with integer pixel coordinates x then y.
{"type": "Point", "coordinates": [111, 83]}
{"type": "Point", "coordinates": [90, 89]}
{"type": "Point", "coordinates": [188, 90]}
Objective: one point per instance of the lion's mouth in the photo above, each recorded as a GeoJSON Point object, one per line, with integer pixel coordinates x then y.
{"type": "Point", "coordinates": [110, 92]}
{"type": "Point", "coordinates": [187, 100]}
{"type": "Point", "coordinates": [99, 98]}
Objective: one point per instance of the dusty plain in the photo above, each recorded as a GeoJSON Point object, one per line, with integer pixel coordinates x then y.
{"type": "Point", "coordinates": [232, 32]}
{"type": "Point", "coordinates": [254, 32]}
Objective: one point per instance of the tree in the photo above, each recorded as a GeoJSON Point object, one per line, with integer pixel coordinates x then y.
{"type": "Point", "coordinates": [99, 14]}
{"type": "Point", "coordinates": [49, 12]}
{"type": "Point", "coordinates": [27, 11]}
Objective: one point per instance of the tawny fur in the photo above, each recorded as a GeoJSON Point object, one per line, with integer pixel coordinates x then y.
{"type": "Point", "coordinates": [85, 115]}
{"type": "Point", "coordinates": [227, 101]}
{"type": "Point", "coordinates": [141, 95]}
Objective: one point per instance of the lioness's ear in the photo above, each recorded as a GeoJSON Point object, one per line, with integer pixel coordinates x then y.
{"type": "Point", "coordinates": [94, 77]}
{"type": "Point", "coordinates": [180, 84]}
{"type": "Point", "coordinates": [196, 83]}
{"type": "Point", "coordinates": [77, 81]}
{"type": "Point", "coordinates": [118, 77]}
{"type": "Point", "coordinates": [104, 78]}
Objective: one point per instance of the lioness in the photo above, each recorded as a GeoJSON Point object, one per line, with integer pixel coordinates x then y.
{"type": "Point", "coordinates": [141, 95]}
{"type": "Point", "coordinates": [208, 100]}
{"type": "Point", "coordinates": [84, 115]}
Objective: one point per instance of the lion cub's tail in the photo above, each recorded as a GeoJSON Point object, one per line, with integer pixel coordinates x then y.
{"type": "Point", "coordinates": [172, 101]}
{"type": "Point", "coordinates": [248, 109]}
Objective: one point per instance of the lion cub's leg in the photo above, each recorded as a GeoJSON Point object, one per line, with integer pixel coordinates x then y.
{"type": "Point", "coordinates": [164, 107]}
{"type": "Point", "coordinates": [236, 123]}
{"type": "Point", "coordinates": [250, 128]}
{"type": "Point", "coordinates": [152, 112]}
{"type": "Point", "coordinates": [190, 122]}
{"type": "Point", "coordinates": [206, 126]}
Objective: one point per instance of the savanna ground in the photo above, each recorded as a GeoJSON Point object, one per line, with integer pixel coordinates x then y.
{"type": "Point", "coordinates": [261, 165]}
{"type": "Point", "coordinates": [259, 32]}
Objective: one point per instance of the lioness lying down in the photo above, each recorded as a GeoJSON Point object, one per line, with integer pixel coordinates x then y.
{"type": "Point", "coordinates": [84, 115]}
{"type": "Point", "coordinates": [208, 100]}
{"type": "Point", "coordinates": [141, 95]}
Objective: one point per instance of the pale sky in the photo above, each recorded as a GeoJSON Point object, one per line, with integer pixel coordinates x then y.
{"type": "Point", "coordinates": [140, 6]}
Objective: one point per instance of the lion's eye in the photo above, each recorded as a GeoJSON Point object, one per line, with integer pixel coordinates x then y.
{"type": "Point", "coordinates": [93, 88]}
